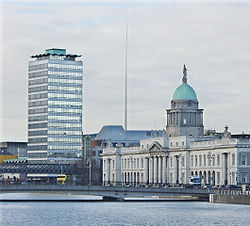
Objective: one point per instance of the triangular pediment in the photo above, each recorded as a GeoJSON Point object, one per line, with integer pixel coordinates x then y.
{"type": "Point", "coordinates": [155, 147]}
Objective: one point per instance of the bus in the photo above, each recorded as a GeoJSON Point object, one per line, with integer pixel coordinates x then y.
{"type": "Point", "coordinates": [64, 179]}
{"type": "Point", "coordinates": [195, 181]}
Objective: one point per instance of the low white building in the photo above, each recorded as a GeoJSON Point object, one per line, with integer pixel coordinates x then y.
{"type": "Point", "coordinates": [175, 157]}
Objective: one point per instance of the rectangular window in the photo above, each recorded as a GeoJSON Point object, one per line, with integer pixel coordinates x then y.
{"type": "Point", "coordinates": [218, 177]}
{"type": "Point", "coordinates": [196, 161]}
{"type": "Point", "coordinates": [243, 160]}
{"type": "Point", "coordinates": [182, 178]}
{"type": "Point", "coordinates": [233, 159]}
{"type": "Point", "coordinates": [218, 159]}
{"type": "Point", "coordinates": [200, 160]}
{"type": "Point", "coordinates": [113, 164]}
{"type": "Point", "coordinates": [244, 178]}
{"type": "Point", "coordinates": [233, 177]}
{"type": "Point", "coordinates": [192, 161]}
{"type": "Point", "coordinates": [205, 160]}
{"type": "Point", "coordinates": [171, 162]}
{"type": "Point", "coordinates": [209, 160]}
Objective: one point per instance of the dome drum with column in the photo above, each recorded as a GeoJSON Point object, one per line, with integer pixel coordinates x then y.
{"type": "Point", "coordinates": [184, 104]}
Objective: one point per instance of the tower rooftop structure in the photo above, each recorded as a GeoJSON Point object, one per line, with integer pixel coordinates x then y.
{"type": "Point", "coordinates": [55, 52]}
{"type": "Point", "coordinates": [184, 91]}
{"type": "Point", "coordinates": [184, 118]}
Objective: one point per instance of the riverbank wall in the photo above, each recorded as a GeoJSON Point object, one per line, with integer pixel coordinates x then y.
{"type": "Point", "coordinates": [233, 199]}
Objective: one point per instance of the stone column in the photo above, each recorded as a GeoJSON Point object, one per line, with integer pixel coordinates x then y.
{"type": "Point", "coordinates": [150, 170]}
{"type": "Point", "coordinates": [146, 170]}
{"type": "Point", "coordinates": [224, 168]}
{"type": "Point", "coordinates": [159, 170]}
{"type": "Point", "coordinates": [176, 169]}
{"type": "Point", "coordinates": [168, 170]}
{"type": "Point", "coordinates": [108, 170]}
{"type": "Point", "coordinates": [155, 170]}
{"type": "Point", "coordinates": [164, 170]}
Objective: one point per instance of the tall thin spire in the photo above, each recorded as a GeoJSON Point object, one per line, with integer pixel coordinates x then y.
{"type": "Point", "coordinates": [184, 78]}
{"type": "Point", "coordinates": [126, 75]}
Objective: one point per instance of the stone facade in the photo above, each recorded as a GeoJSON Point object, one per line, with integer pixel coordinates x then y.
{"type": "Point", "coordinates": [163, 160]}
{"type": "Point", "coordinates": [182, 153]}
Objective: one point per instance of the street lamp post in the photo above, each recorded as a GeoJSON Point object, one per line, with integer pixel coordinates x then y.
{"type": "Point", "coordinates": [89, 165]}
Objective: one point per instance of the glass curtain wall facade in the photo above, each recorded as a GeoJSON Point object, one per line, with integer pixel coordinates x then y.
{"type": "Point", "coordinates": [55, 107]}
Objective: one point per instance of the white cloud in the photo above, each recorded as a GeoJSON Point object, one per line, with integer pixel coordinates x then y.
{"type": "Point", "coordinates": [212, 39]}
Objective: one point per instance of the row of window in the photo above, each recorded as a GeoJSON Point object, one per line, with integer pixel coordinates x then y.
{"type": "Point", "coordinates": [66, 66]}
{"type": "Point", "coordinates": [65, 81]}
{"type": "Point", "coordinates": [63, 132]}
{"type": "Point", "coordinates": [65, 95]}
{"type": "Point", "coordinates": [197, 160]}
{"type": "Point", "coordinates": [64, 155]}
{"type": "Point", "coordinates": [38, 81]}
{"type": "Point", "coordinates": [65, 110]}
{"type": "Point", "coordinates": [181, 159]}
{"type": "Point", "coordinates": [129, 163]}
{"type": "Point", "coordinates": [37, 140]}
{"type": "Point", "coordinates": [38, 67]}
{"type": "Point", "coordinates": [64, 118]}
{"type": "Point", "coordinates": [177, 144]}
{"type": "Point", "coordinates": [54, 132]}
{"type": "Point", "coordinates": [38, 103]}
{"type": "Point", "coordinates": [65, 89]}
{"type": "Point", "coordinates": [37, 155]}
{"type": "Point", "coordinates": [38, 96]}
{"type": "Point", "coordinates": [65, 147]}
{"type": "Point", "coordinates": [38, 110]}
{"type": "Point", "coordinates": [38, 89]}
{"type": "Point", "coordinates": [55, 154]}
{"type": "Point", "coordinates": [65, 73]}
{"type": "Point", "coordinates": [54, 118]}
{"type": "Point", "coordinates": [64, 125]}
{"type": "Point", "coordinates": [38, 125]}
{"type": "Point", "coordinates": [64, 103]}
{"type": "Point", "coordinates": [37, 147]}
{"type": "Point", "coordinates": [38, 74]}
{"type": "Point", "coordinates": [37, 133]}
{"type": "Point", "coordinates": [64, 139]}
{"type": "Point", "coordinates": [38, 118]}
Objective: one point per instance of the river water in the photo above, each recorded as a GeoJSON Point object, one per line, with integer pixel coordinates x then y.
{"type": "Point", "coordinates": [118, 213]}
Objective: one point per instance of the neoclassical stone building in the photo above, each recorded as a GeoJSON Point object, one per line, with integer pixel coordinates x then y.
{"type": "Point", "coordinates": [182, 151]}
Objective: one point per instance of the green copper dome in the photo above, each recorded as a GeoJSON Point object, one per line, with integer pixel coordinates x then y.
{"type": "Point", "coordinates": [184, 92]}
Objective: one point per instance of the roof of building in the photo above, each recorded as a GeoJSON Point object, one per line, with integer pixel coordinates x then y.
{"type": "Point", "coordinates": [18, 160]}
{"type": "Point", "coordinates": [56, 52]}
{"type": "Point", "coordinates": [117, 133]}
{"type": "Point", "coordinates": [184, 91]}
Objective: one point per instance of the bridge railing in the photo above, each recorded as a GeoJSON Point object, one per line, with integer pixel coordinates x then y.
{"type": "Point", "coordinates": [235, 191]}
{"type": "Point", "coordinates": [159, 185]}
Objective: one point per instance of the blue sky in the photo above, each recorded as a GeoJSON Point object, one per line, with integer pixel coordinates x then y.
{"type": "Point", "coordinates": [210, 37]}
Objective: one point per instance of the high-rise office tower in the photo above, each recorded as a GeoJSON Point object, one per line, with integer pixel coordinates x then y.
{"type": "Point", "coordinates": [55, 107]}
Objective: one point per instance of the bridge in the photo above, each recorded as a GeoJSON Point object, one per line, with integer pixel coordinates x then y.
{"type": "Point", "coordinates": [37, 168]}
{"type": "Point", "coordinates": [111, 193]}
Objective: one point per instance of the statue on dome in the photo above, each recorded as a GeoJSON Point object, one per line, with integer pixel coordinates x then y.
{"type": "Point", "coordinates": [184, 78]}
